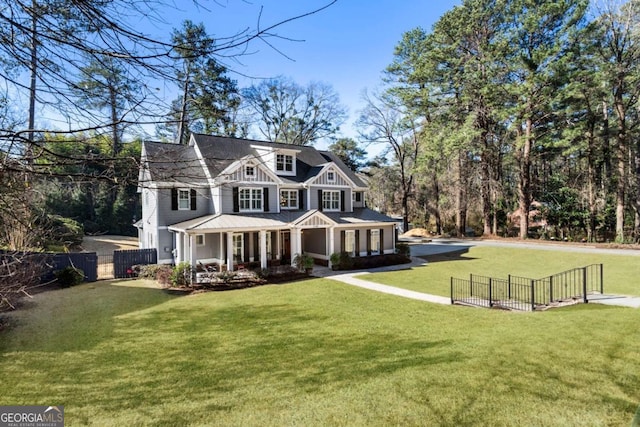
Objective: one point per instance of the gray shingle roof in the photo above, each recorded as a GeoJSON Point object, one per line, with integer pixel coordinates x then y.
{"type": "Point", "coordinates": [173, 163]}
{"type": "Point", "coordinates": [219, 152]}
{"type": "Point", "coordinates": [179, 163]}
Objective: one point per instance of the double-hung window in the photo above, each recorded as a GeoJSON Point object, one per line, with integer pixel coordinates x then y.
{"type": "Point", "coordinates": [184, 200]}
{"type": "Point", "coordinates": [350, 242]}
{"type": "Point", "coordinates": [331, 200]}
{"type": "Point", "coordinates": [250, 199]}
{"type": "Point", "coordinates": [289, 199]}
{"type": "Point", "coordinates": [375, 241]}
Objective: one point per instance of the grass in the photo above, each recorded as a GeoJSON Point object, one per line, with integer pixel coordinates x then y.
{"type": "Point", "coordinates": [620, 272]}
{"type": "Point", "coordinates": [315, 352]}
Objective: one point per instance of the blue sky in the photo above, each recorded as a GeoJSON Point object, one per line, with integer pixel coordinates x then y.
{"type": "Point", "coordinates": [347, 45]}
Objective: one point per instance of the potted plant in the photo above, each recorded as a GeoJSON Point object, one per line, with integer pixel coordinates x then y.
{"type": "Point", "coordinates": [304, 262]}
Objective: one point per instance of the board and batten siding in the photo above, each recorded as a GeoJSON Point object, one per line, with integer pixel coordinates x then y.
{"type": "Point", "coordinates": [261, 177]}
{"type": "Point", "coordinates": [323, 179]}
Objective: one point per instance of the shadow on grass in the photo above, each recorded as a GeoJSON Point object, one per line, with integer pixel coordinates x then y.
{"type": "Point", "coordinates": [239, 347]}
{"type": "Point", "coordinates": [76, 318]}
{"type": "Point", "coordinates": [449, 255]}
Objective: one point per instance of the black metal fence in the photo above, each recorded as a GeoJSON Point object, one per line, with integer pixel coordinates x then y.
{"type": "Point", "coordinates": [521, 293]}
{"type": "Point", "coordinates": [124, 260]}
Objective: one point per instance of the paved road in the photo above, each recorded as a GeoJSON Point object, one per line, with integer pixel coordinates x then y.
{"type": "Point", "coordinates": [437, 246]}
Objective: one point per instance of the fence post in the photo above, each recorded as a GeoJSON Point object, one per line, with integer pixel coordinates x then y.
{"type": "Point", "coordinates": [584, 285]}
{"type": "Point", "coordinates": [490, 292]}
{"type": "Point", "coordinates": [471, 284]}
{"type": "Point", "coordinates": [601, 280]}
{"type": "Point", "coordinates": [550, 289]}
{"type": "Point", "coordinates": [533, 295]}
{"type": "Point", "coordinates": [451, 290]}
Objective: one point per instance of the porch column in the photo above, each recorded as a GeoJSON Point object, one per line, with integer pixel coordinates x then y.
{"type": "Point", "coordinates": [393, 238]}
{"type": "Point", "coordinates": [179, 247]}
{"type": "Point", "coordinates": [278, 244]}
{"type": "Point", "coordinates": [185, 248]}
{"type": "Point", "coordinates": [331, 243]}
{"type": "Point", "coordinates": [229, 251]}
{"type": "Point", "coordinates": [192, 250]}
{"type": "Point", "coordinates": [263, 248]}
{"type": "Point", "coordinates": [221, 251]}
{"type": "Point", "coordinates": [296, 243]}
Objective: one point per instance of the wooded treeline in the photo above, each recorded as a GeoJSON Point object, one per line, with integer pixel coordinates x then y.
{"type": "Point", "coordinates": [512, 106]}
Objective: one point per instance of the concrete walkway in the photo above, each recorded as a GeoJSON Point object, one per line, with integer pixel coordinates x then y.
{"type": "Point", "coordinates": [350, 279]}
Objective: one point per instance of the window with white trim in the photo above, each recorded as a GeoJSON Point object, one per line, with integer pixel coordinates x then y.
{"type": "Point", "coordinates": [331, 176]}
{"type": "Point", "coordinates": [249, 173]}
{"type": "Point", "coordinates": [184, 200]}
{"type": "Point", "coordinates": [238, 247]}
{"type": "Point", "coordinates": [375, 241]}
{"type": "Point", "coordinates": [284, 163]}
{"type": "Point", "coordinates": [250, 199]}
{"type": "Point", "coordinates": [289, 199]}
{"type": "Point", "coordinates": [199, 239]}
{"type": "Point", "coordinates": [350, 242]}
{"type": "Point", "coordinates": [331, 200]}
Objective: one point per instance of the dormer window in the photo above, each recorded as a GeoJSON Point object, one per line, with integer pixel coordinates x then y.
{"type": "Point", "coordinates": [284, 163]}
{"type": "Point", "coordinates": [250, 173]}
{"type": "Point", "coordinates": [331, 176]}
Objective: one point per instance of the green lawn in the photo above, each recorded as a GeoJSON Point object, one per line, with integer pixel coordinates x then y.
{"type": "Point", "coordinates": [316, 352]}
{"type": "Point", "coordinates": [621, 273]}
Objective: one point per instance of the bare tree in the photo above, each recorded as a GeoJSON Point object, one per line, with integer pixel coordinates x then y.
{"type": "Point", "coordinates": [293, 114]}
{"type": "Point", "coordinates": [385, 121]}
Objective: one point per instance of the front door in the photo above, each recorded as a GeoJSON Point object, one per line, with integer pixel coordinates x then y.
{"type": "Point", "coordinates": [285, 247]}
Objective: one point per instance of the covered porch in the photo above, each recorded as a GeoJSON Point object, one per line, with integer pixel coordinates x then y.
{"type": "Point", "coordinates": [236, 242]}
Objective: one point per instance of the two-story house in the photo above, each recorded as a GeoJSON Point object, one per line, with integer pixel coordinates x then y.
{"type": "Point", "coordinates": [233, 201]}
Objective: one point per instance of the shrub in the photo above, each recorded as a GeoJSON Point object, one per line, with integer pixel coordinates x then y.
{"type": "Point", "coordinates": [69, 276]}
{"type": "Point", "coordinates": [181, 275]}
{"type": "Point", "coordinates": [341, 261]}
{"type": "Point", "coordinates": [159, 272]}
{"type": "Point", "coordinates": [403, 249]}
{"type": "Point", "coordinates": [303, 262]}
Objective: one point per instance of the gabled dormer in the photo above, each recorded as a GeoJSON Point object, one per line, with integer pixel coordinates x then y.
{"type": "Point", "coordinates": [249, 169]}
{"type": "Point", "coordinates": [281, 161]}
{"type": "Point", "coordinates": [331, 176]}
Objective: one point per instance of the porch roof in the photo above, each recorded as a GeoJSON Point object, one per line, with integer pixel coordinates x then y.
{"type": "Point", "coordinates": [277, 221]}
{"type": "Point", "coordinates": [235, 222]}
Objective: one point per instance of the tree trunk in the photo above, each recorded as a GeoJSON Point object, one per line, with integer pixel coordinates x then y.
{"type": "Point", "coordinates": [487, 205]}
{"type": "Point", "coordinates": [183, 110]}
{"type": "Point", "coordinates": [621, 183]}
{"type": "Point", "coordinates": [524, 184]}
{"type": "Point", "coordinates": [436, 197]}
